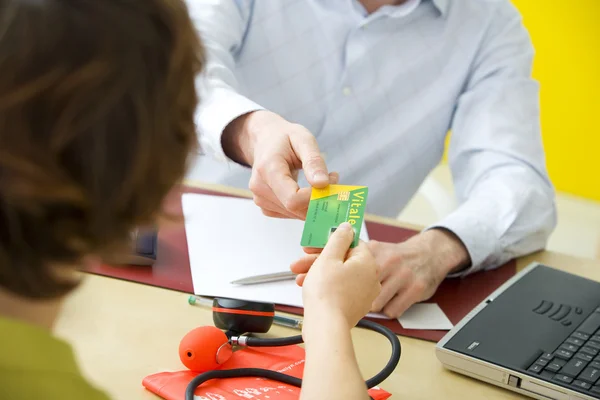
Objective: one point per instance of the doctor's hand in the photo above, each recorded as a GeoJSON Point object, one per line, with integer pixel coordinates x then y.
{"type": "Point", "coordinates": [412, 271]}
{"type": "Point", "coordinates": [276, 150]}
{"type": "Point", "coordinates": [339, 282]}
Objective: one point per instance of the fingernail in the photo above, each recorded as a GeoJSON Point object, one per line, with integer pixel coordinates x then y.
{"type": "Point", "coordinates": [321, 176]}
{"type": "Point", "coordinates": [345, 226]}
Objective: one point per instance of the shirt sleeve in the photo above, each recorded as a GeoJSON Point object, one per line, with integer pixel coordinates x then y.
{"type": "Point", "coordinates": [507, 206]}
{"type": "Point", "coordinates": [222, 25]}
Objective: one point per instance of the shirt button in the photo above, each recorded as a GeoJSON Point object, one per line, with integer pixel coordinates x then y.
{"type": "Point", "coordinates": [347, 91]}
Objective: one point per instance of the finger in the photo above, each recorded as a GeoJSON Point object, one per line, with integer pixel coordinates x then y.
{"type": "Point", "coordinates": [313, 250]}
{"type": "Point", "coordinates": [298, 204]}
{"type": "Point", "coordinates": [364, 255]}
{"type": "Point", "coordinates": [339, 242]}
{"type": "Point", "coordinates": [272, 214]}
{"type": "Point", "coordinates": [386, 268]}
{"type": "Point", "coordinates": [389, 288]}
{"type": "Point", "coordinates": [385, 272]}
{"type": "Point", "coordinates": [300, 279]}
{"type": "Point", "coordinates": [402, 302]}
{"type": "Point", "coordinates": [268, 205]}
{"type": "Point", "coordinates": [264, 191]}
{"type": "Point", "coordinates": [334, 178]}
{"type": "Point", "coordinates": [303, 265]}
{"type": "Point", "coordinates": [272, 209]}
{"type": "Point", "coordinates": [278, 176]}
{"type": "Point", "coordinates": [375, 291]}
{"type": "Point", "coordinates": [360, 251]}
{"type": "Point", "coordinates": [306, 148]}
{"type": "Point", "coordinates": [263, 195]}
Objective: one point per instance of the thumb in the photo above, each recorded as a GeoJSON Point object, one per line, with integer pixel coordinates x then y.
{"type": "Point", "coordinates": [339, 242]}
{"type": "Point", "coordinates": [307, 150]}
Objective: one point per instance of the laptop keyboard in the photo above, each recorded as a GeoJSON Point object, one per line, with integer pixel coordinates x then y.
{"type": "Point", "coordinates": [576, 362]}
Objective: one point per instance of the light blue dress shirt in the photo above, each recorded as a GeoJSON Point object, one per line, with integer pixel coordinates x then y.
{"type": "Point", "coordinates": [380, 93]}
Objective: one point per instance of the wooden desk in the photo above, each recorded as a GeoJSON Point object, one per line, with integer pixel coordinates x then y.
{"type": "Point", "coordinates": [124, 331]}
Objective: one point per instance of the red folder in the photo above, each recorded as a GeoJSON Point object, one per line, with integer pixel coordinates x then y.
{"type": "Point", "coordinates": [288, 360]}
{"type": "Point", "coordinates": [456, 297]}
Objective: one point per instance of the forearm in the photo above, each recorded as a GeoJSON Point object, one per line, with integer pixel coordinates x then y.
{"type": "Point", "coordinates": [221, 26]}
{"type": "Point", "coordinates": [508, 215]}
{"type": "Point", "coordinates": [331, 371]}
{"type": "Point", "coordinates": [496, 153]}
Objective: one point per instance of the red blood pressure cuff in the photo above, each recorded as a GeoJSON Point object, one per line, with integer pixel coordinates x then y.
{"type": "Point", "coordinates": [287, 359]}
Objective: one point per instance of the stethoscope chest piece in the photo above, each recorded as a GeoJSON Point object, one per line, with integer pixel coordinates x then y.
{"type": "Point", "coordinates": [240, 316]}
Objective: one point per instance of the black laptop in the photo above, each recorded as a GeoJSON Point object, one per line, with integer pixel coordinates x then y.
{"type": "Point", "coordinates": [538, 335]}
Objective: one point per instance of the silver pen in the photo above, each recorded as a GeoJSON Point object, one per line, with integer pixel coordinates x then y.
{"type": "Point", "coordinates": [275, 277]}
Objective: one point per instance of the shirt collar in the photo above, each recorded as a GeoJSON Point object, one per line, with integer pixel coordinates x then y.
{"type": "Point", "coordinates": [442, 6]}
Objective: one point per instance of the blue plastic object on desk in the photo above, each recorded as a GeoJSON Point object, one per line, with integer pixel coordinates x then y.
{"type": "Point", "coordinates": [144, 249]}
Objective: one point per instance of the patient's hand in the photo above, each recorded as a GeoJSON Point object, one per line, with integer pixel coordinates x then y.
{"type": "Point", "coordinates": [339, 281]}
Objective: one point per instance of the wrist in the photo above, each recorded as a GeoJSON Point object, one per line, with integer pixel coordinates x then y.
{"type": "Point", "coordinates": [450, 252]}
{"type": "Point", "coordinates": [323, 319]}
{"type": "Point", "coordinates": [238, 139]}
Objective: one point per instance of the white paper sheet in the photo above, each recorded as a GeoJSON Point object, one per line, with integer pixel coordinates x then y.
{"type": "Point", "coordinates": [427, 316]}
{"type": "Point", "coordinates": [230, 239]}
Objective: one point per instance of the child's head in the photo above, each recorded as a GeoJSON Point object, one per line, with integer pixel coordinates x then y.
{"type": "Point", "coordinates": [96, 123]}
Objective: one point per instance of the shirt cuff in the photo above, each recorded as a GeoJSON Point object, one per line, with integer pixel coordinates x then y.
{"type": "Point", "coordinates": [473, 229]}
{"type": "Point", "coordinates": [218, 108]}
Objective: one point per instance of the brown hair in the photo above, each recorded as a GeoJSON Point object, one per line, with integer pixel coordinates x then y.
{"type": "Point", "coordinates": [97, 104]}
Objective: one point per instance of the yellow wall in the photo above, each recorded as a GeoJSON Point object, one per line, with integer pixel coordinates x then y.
{"type": "Point", "coordinates": [566, 36]}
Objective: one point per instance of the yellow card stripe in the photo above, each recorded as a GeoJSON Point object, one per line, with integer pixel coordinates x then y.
{"type": "Point", "coordinates": [332, 190]}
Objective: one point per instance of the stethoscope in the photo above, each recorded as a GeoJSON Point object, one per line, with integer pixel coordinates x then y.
{"type": "Point", "coordinates": [207, 348]}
